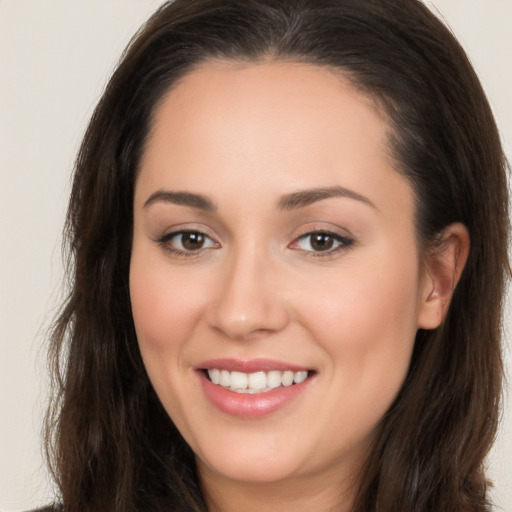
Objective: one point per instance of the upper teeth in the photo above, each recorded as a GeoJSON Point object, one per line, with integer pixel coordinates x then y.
{"type": "Point", "coordinates": [257, 382]}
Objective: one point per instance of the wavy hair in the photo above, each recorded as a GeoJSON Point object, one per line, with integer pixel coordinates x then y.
{"type": "Point", "coordinates": [111, 446]}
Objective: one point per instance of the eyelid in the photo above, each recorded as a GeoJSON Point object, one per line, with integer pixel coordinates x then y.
{"type": "Point", "coordinates": [187, 227]}
{"type": "Point", "coordinates": [324, 227]}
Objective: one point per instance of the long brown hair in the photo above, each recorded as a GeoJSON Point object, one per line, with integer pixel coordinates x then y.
{"type": "Point", "coordinates": [111, 446]}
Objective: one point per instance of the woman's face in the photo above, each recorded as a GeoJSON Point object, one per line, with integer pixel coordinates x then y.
{"type": "Point", "coordinates": [273, 243]}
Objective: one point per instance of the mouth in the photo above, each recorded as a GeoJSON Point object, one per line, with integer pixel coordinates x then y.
{"type": "Point", "coordinates": [255, 382]}
{"type": "Point", "coordinates": [251, 389]}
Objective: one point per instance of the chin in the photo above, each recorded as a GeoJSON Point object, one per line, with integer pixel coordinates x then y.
{"type": "Point", "coordinates": [256, 462]}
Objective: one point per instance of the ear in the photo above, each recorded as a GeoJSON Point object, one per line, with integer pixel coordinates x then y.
{"type": "Point", "coordinates": [443, 267]}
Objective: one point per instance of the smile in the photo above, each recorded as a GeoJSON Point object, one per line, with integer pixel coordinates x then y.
{"type": "Point", "coordinates": [255, 388]}
{"type": "Point", "coordinates": [257, 382]}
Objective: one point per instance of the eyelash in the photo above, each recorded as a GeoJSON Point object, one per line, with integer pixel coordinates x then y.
{"type": "Point", "coordinates": [343, 243]}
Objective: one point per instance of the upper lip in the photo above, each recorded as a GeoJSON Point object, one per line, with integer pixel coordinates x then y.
{"type": "Point", "coordinates": [249, 366]}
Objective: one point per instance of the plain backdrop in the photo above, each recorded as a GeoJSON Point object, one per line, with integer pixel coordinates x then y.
{"type": "Point", "coordinates": [55, 58]}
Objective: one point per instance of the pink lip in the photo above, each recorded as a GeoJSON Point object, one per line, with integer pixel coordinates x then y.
{"type": "Point", "coordinates": [244, 405]}
{"type": "Point", "coordinates": [254, 365]}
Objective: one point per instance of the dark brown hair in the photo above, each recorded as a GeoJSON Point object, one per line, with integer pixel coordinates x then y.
{"type": "Point", "coordinates": [111, 445]}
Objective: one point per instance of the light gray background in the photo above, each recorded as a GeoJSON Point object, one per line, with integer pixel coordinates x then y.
{"type": "Point", "coordinates": [55, 58]}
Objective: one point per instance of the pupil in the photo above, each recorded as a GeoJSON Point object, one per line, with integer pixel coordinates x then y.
{"type": "Point", "coordinates": [322, 242]}
{"type": "Point", "coordinates": [192, 241]}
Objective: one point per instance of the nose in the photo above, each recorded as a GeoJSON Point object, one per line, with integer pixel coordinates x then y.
{"type": "Point", "coordinates": [250, 302]}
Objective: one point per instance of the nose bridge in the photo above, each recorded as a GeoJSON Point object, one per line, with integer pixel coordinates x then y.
{"type": "Point", "coordinates": [248, 301]}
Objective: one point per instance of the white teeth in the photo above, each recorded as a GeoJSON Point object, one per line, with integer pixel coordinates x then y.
{"type": "Point", "coordinates": [287, 378]}
{"type": "Point", "coordinates": [273, 379]}
{"type": "Point", "coordinates": [238, 380]}
{"type": "Point", "coordinates": [300, 377]}
{"type": "Point", "coordinates": [214, 375]}
{"type": "Point", "coordinates": [257, 382]}
{"type": "Point", "coordinates": [225, 378]}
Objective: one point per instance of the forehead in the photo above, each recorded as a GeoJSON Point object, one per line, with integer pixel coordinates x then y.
{"type": "Point", "coordinates": [272, 125]}
{"type": "Point", "coordinates": [293, 100]}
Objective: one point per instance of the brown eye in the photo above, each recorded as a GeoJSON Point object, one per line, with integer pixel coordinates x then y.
{"type": "Point", "coordinates": [187, 242]}
{"type": "Point", "coordinates": [321, 241]}
{"type": "Point", "coordinates": [192, 241]}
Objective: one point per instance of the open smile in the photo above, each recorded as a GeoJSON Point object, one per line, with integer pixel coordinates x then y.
{"type": "Point", "coordinates": [257, 382]}
{"type": "Point", "coordinates": [252, 389]}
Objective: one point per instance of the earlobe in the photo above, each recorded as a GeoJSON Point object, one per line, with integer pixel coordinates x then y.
{"type": "Point", "coordinates": [443, 267]}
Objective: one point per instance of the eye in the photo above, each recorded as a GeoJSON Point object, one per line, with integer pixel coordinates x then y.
{"type": "Point", "coordinates": [185, 242]}
{"type": "Point", "coordinates": [322, 242]}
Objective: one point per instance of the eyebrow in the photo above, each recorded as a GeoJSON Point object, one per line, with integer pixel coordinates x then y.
{"type": "Point", "coordinates": [291, 201]}
{"type": "Point", "coordinates": [181, 198]}
{"type": "Point", "coordinates": [306, 197]}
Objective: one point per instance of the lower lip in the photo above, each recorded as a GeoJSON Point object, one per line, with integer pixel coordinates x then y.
{"type": "Point", "coordinates": [245, 405]}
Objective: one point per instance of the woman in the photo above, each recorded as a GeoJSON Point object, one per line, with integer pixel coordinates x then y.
{"type": "Point", "coordinates": [289, 233]}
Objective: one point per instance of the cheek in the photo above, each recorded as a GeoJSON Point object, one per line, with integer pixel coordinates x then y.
{"type": "Point", "coordinates": [366, 320]}
{"type": "Point", "coordinates": [364, 301]}
{"type": "Point", "coordinates": [165, 309]}
{"type": "Point", "coordinates": [165, 305]}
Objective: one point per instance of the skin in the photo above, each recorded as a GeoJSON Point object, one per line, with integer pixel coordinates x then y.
{"type": "Point", "coordinates": [244, 136]}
